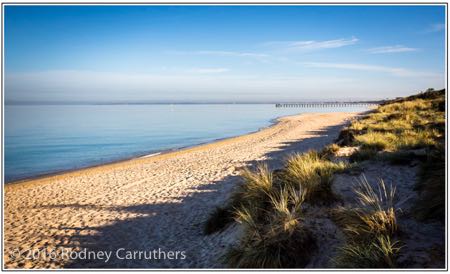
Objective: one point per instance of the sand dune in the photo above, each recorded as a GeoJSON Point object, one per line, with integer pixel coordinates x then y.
{"type": "Point", "coordinates": [157, 203]}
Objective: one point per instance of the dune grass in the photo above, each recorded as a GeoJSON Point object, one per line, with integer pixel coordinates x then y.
{"type": "Point", "coordinates": [406, 124]}
{"type": "Point", "coordinates": [313, 173]}
{"type": "Point", "coordinates": [258, 185]}
{"type": "Point", "coordinates": [329, 151]}
{"type": "Point", "coordinates": [270, 204]}
{"type": "Point", "coordinates": [376, 214]}
{"type": "Point", "coordinates": [274, 235]}
{"type": "Point", "coordinates": [369, 228]}
{"type": "Point", "coordinates": [381, 253]}
{"type": "Point", "coordinates": [407, 139]}
{"type": "Point", "coordinates": [396, 130]}
{"type": "Point", "coordinates": [270, 211]}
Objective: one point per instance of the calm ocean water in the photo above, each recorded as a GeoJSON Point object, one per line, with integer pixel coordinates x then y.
{"type": "Point", "coordinates": [43, 139]}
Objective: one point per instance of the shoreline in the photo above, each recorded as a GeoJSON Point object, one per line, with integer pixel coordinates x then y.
{"type": "Point", "coordinates": [273, 122]}
{"type": "Point", "coordinates": [162, 201]}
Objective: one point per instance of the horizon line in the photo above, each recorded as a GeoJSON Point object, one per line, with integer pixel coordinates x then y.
{"type": "Point", "coordinates": [348, 101]}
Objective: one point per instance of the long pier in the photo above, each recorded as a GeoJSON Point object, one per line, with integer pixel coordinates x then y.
{"type": "Point", "coordinates": [326, 104]}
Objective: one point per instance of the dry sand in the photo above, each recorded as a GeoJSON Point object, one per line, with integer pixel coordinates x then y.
{"type": "Point", "coordinates": [154, 203]}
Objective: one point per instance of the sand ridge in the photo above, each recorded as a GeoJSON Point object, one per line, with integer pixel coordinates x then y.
{"type": "Point", "coordinates": [152, 203]}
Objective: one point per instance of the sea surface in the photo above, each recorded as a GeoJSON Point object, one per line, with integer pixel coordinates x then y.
{"type": "Point", "coordinates": [45, 139]}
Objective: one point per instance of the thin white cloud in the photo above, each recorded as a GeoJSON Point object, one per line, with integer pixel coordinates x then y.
{"type": "Point", "coordinates": [395, 71]}
{"type": "Point", "coordinates": [297, 46]}
{"type": "Point", "coordinates": [207, 70]}
{"type": "Point", "coordinates": [391, 49]}
{"type": "Point", "coordinates": [312, 45]}
{"type": "Point", "coordinates": [286, 46]}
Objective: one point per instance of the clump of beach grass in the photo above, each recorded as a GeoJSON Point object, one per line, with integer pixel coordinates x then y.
{"type": "Point", "coordinates": [313, 173]}
{"type": "Point", "coordinates": [258, 184]}
{"type": "Point", "coordinates": [271, 211]}
{"type": "Point", "coordinates": [279, 239]}
{"type": "Point", "coordinates": [253, 194]}
{"type": "Point", "coordinates": [330, 150]}
{"type": "Point", "coordinates": [374, 213]}
{"type": "Point", "coordinates": [381, 253]}
{"type": "Point", "coordinates": [369, 227]}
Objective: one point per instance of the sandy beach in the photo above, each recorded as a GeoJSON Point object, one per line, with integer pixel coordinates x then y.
{"type": "Point", "coordinates": [150, 203]}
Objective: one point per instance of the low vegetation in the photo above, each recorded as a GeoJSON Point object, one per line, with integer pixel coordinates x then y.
{"type": "Point", "coordinates": [405, 130]}
{"type": "Point", "coordinates": [274, 234]}
{"type": "Point", "coordinates": [271, 211]}
{"type": "Point", "coordinates": [271, 206]}
{"type": "Point", "coordinates": [403, 125]}
{"type": "Point", "coordinates": [369, 228]}
{"type": "Point", "coordinates": [329, 151]}
{"type": "Point", "coordinates": [380, 253]}
{"type": "Point", "coordinates": [313, 173]}
{"type": "Point", "coordinates": [271, 215]}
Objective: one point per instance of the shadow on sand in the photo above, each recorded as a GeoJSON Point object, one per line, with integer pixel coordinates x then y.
{"type": "Point", "coordinates": [165, 227]}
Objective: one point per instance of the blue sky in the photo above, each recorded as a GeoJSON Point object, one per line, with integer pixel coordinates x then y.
{"type": "Point", "coordinates": [221, 53]}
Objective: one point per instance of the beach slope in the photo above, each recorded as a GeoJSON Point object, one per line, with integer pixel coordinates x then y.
{"type": "Point", "coordinates": [153, 203]}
